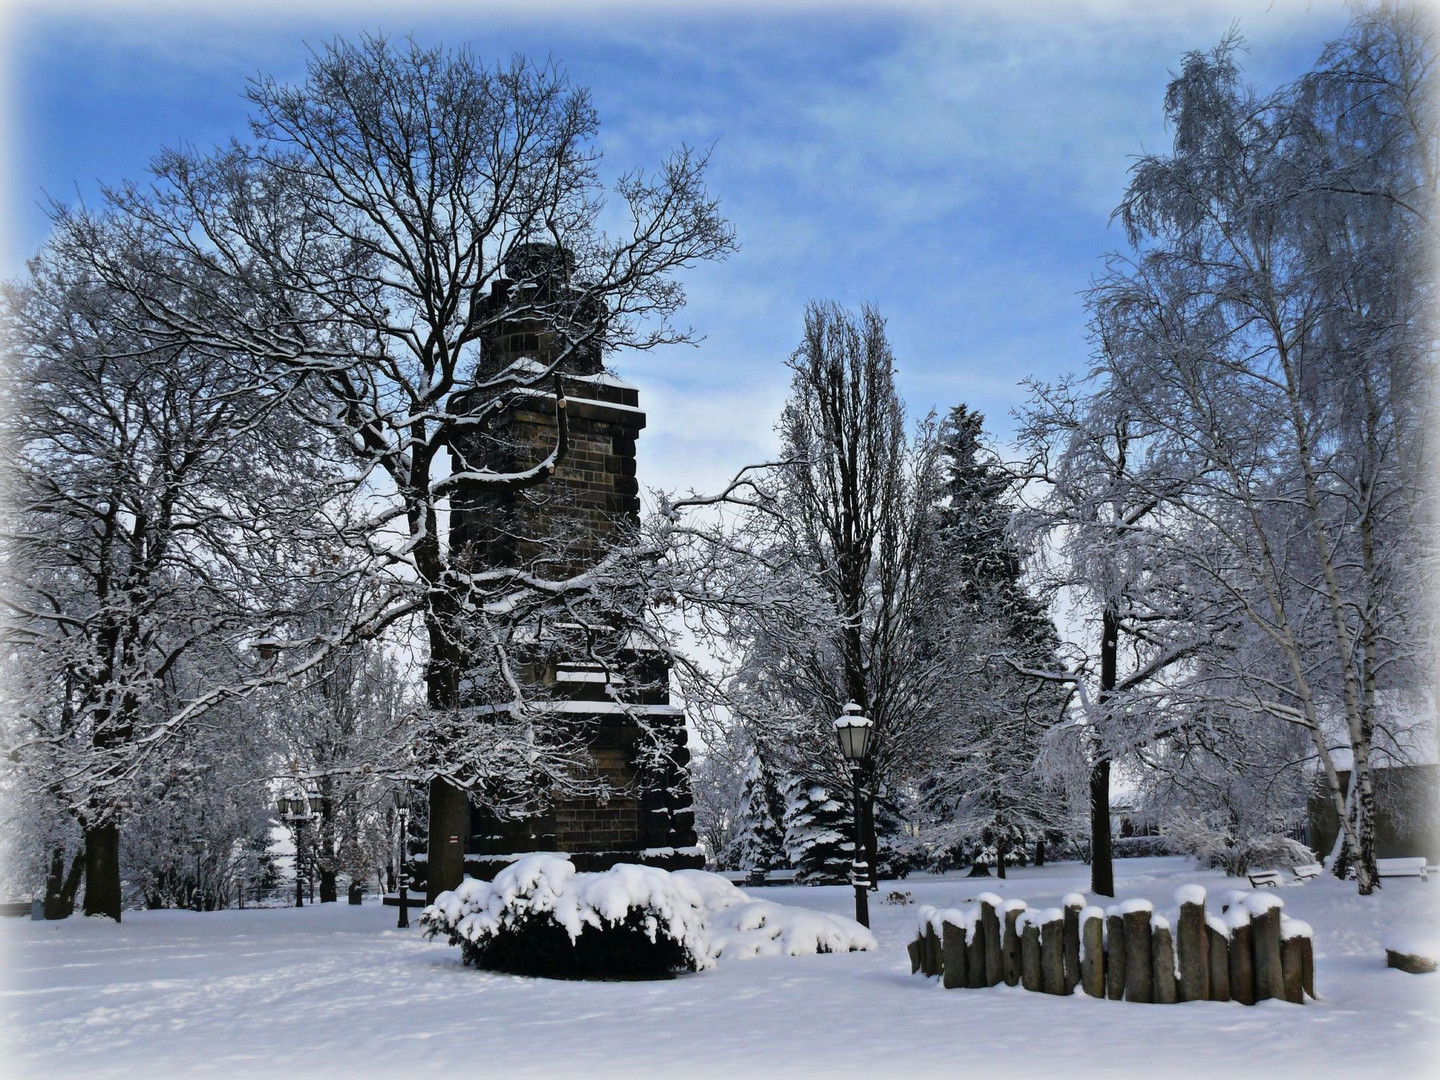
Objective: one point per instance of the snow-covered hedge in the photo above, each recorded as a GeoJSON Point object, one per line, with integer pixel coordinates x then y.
{"type": "Point", "coordinates": [1141, 847]}
{"type": "Point", "coordinates": [542, 917]}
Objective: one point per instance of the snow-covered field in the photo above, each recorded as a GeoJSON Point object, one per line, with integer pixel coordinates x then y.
{"type": "Point", "coordinates": [336, 991]}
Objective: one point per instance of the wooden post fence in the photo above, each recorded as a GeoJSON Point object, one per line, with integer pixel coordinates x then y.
{"type": "Point", "coordinates": [1250, 952]}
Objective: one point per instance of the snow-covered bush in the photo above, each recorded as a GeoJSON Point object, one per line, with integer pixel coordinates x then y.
{"type": "Point", "coordinates": [541, 917]}
{"type": "Point", "coordinates": [1234, 849]}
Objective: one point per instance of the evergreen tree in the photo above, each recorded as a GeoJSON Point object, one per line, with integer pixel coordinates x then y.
{"type": "Point", "coordinates": [760, 838]}
{"type": "Point", "coordinates": [991, 791]}
{"type": "Point", "coordinates": [817, 833]}
{"type": "Point", "coordinates": [973, 530]}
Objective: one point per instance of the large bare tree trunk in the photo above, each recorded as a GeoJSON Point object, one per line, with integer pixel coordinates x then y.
{"type": "Point", "coordinates": [449, 829]}
{"type": "Point", "coordinates": [449, 806]}
{"type": "Point", "coordinates": [329, 893]}
{"type": "Point", "coordinates": [102, 870]}
{"type": "Point", "coordinates": [1102, 868]}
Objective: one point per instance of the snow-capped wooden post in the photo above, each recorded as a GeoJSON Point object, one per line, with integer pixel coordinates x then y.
{"type": "Point", "coordinates": [1092, 951]}
{"type": "Point", "coordinates": [989, 929]}
{"type": "Point", "coordinates": [932, 950]}
{"type": "Point", "coordinates": [975, 955]}
{"type": "Point", "coordinates": [952, 955]}
{"type": "Point", "coordinates": [1139, 982]}
{"type": "Point", "coordinates": [1073, 903]}
{"type": "Point", "coordinates": [1052, 951]}
{"type": "Point", "coordinates": [1114, 954]}
{"type": "Point", "coordinates": [1219, 940]}
{"type": "Point", "coordinates": [1030, 952]}
{"type": "Point", "coordinates": [1010, 943]}
{"type": "Point", "coordinates": [1162, 961]}
{"type": "Point", "coordinates": [1192, 945]}
{"type": "Point", "coordinates": [1293, 935]}
{"type": "Point", "coordinates": [1307, 965]}
{"type": "Point", "coordinates": [1265, 937]}
{"type": "Point", "coordinates": [914, 950]}
{"type": "Point", "coordinates": [1242, 955]}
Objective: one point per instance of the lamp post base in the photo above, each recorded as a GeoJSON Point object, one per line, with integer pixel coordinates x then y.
{"type": "Point", "coordinates": [860, 874]}
{"type": "Point", "coordinates": [859, 868]}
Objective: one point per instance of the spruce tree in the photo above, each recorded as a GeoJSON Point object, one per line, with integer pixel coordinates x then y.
{"type": "Point", "coordinates": [817, 833]}
{"type": "Point", "coordinates": [760, 838]}
{"type": "Point", "coordinates": [992, 784]}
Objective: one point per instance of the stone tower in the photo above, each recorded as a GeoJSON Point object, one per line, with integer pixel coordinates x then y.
{"type": "Point", "coordinates": [620, 705]}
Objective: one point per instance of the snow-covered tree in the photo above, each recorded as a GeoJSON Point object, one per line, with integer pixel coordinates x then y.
{"type": "Point", "coordinates": [1231, 791]}
{"type": "Point", "coordinates": [818, 831]}
{"type": "Point", "coordinates": [349, 242]}
{"type": "Point", "coordinates": [821, 581]}
{"type": "Point", "coordinates": [759, 840]}
{"type": "Point", "coordinates": [1272, 330]}
{"type": "Point", "coordinates": [1090, 521]}
{"type": "Point", "coordinates": [161, 493]}
{"type": "Point", "coordinates": [986, 784]}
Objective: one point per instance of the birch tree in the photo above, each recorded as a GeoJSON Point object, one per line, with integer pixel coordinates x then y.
{"type": "Point", "coordinates": [1275, 320]}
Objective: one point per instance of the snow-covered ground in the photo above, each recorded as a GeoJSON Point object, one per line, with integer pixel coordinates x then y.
{"type": "Point", "coordinates": [336, 991]}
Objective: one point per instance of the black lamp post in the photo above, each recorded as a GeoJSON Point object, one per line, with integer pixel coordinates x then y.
{"type": "Point", "coordinates": [295, 812]}
{"type": "Point", "coordinates": [853, 731]}
{"type": "Point", "coordinates": [402, 879]}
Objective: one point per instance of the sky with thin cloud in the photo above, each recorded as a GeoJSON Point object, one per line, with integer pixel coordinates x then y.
{"type": "Point", "coordinates": [954, 164]}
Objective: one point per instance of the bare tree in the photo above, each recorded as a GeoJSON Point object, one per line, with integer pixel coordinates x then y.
{"type": "Point", "coordinates": [1275, 343]}
{"type": "Point", "coordinates": [1090, 519]}
{"type": "Point", "coordinates": [818, 581]}
{"type": "Point", "coordinates": [357, 240]}
{"type": "Point", "coordinates": [159, 493]}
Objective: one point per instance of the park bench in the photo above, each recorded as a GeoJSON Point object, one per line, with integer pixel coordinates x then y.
{"type": "Point", "coordinates": [1265, 879]}
{"type": "Point", "coordinates": [1406, 867]}
{"type": "Point", "coordinates": [755, 876]}
{"type": "Point", "coordinates": [1307, 871]}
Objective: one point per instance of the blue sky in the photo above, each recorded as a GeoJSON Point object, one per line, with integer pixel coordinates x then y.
{"type": "Point", "coordinates": [955, 164]}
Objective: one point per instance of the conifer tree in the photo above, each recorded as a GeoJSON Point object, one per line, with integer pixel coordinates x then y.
{"type": "Point", "coordinates": [760, 838]}
{"type": "Point", "coordinates": [991, 787]}
{"type": "Point", "coordinates": [817, 833]}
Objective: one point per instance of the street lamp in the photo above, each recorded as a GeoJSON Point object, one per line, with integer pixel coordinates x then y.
{"type": "Point", "coordinates": [402, 816]}
{"type": "Point", "coordinates": [852, 732]}
{"type": "Point", "coordinates": [295, 812]}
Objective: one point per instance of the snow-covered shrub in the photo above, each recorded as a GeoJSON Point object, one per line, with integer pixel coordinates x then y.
{"type": "Point", "coordinates": [541, 917]}
{"type": "Point", "coordinates": [1140, 847]}
{"type": "Point", "coordinates": [1234, 849]}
